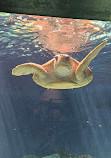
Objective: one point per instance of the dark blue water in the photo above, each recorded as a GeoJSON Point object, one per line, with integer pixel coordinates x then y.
{"type": "Point", "coordinates": [37, 121]}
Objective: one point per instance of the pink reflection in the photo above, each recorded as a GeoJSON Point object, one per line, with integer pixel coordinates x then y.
{"type": "Point", "coordinates": [61, 35]}
{"type": "Point", "coordinates": [52, 95]}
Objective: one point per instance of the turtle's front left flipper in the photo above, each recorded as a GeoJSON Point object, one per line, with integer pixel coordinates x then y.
{"type": "Point", "coordinates": [29, 68]}
{"type": "Point", "coordinates": [86, 61]}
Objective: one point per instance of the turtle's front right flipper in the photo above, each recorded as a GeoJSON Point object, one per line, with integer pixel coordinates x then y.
{"type": "Point", "coordinates": [29, 68]}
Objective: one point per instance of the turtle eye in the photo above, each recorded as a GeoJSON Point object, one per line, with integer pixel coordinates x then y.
{"type": "Point", "coordinates": [56, 58]}
{"type": "Point", "coordinates": [67, 58]}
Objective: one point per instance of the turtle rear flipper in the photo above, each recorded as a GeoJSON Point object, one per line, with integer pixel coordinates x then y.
{"type": "Point", "coordinates": [29, 68]}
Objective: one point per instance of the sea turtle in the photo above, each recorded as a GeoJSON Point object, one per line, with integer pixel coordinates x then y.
{"type": "Point", "coordinates": [61, 72]}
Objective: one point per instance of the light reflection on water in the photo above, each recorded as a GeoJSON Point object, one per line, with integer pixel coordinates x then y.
{"type": "Point", "coordinates": [60, 35]}
{"type": "Point", "coordinates": [34, 120]}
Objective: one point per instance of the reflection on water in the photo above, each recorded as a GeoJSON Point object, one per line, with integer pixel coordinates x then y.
{"type": "Point", "coordinates": [36, 121]}
{"type": "Point", "coordinates": [59, 155]}
{"type": "Point", "coordinates": [61, 35]}
{"type": "Point", "coordinates": [57, 34]}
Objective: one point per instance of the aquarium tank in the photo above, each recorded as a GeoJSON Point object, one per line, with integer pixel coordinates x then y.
{"type": "Point", "coordinates": [55, 90]}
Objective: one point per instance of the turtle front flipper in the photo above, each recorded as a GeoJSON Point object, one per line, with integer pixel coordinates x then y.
{"type": "Point", "coordinates": [86, 61]}
{"type": "Point", "coordinates": [29, 68]}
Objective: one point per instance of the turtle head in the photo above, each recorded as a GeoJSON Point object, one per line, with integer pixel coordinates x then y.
{"type": "Point", "coordinates": [63, 65]}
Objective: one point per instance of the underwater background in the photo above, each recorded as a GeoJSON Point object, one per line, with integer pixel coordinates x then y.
{"type": "Point", "coordinates": [37, 121]}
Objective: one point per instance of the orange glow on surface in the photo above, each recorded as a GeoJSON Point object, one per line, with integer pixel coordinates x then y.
{"type": "Point", "coordinates": [60, 35]}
